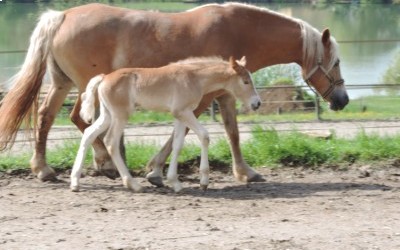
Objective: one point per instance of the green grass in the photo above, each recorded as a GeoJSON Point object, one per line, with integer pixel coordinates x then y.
{"type": "Point", "coordinates": [266, 147]}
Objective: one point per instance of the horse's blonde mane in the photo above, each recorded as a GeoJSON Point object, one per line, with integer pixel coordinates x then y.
{"type": "Point", "coordinates": [313, 48]}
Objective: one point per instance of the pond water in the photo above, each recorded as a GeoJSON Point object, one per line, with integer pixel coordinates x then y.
{"type": "Point", "coordinates": [368, 34]}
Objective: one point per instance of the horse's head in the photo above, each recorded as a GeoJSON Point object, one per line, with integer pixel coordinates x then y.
{"type": "Point", "coordinates": [323, 74]}
{"type": "Point", "coordinates": [244, 90]}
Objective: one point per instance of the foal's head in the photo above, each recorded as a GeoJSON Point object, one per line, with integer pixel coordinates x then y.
{"type": "Point", "coordinates": [322, 71]}
{"type": "Point", "coordinates": [243, 89]}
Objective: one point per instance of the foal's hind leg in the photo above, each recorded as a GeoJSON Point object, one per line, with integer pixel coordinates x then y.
{"type": "Point", "coordinates": [90, 134]}
{"type": "Point", "coordinates": [241, 170]}
{"type": "Point", "coordinates": [52, 103]}
{"type": "Point", "coordinates": [112, 142]}
{"type": "Point", "coordinates": [179, 137]}
{"type": "Point", "coordinates": [102, 158]}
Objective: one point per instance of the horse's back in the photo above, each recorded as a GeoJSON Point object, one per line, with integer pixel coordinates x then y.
{"type": "Point", "coordinates": [97, 38]}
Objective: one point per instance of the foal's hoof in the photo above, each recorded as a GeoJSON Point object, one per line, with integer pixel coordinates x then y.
{"type": "Point", "coordinates": [203, 187]}
{"type": "Point", "coordinates": [257, 178]}
{"type": "Point", "coordinates": [176, 186]}
{"type": "Point", "coordinates": [156, 181]}
{"type": "Point", "coordinates": [74, 188]}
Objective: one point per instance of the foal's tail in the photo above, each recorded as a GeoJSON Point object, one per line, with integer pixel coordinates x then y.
{"type": "Point", "coordinates": [21, 102]}
{"type": "Point", "coordinates": [88, 108]}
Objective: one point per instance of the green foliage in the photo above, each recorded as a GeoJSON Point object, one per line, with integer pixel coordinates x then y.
{"type": "Point", "coordinates": [392, 74]}
{"type": "Point", "coordinates": [138, 154]}
{"type": "Point", "coordinates": [283, 73]}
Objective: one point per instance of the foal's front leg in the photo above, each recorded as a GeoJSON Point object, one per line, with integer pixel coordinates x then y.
{"type": "Point", "coordinates": [156, 164]}
{"type": "Point", "coordinates": [188, 119]}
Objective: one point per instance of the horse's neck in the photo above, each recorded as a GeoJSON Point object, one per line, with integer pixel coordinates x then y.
{"type": "Point", "coordinates": [273, 39]}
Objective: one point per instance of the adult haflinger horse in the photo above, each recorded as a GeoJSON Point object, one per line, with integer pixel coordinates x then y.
{"type": "Point", "coordinates": [79, 43]}
{"type": "Point", "coordinates": [177, 88]}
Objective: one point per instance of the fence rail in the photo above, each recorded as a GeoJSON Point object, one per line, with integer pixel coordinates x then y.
{"type": "Point", "coordinates": [316, 107]}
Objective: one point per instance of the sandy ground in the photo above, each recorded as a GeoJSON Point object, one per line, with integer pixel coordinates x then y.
{"type": "Point", "coordinates": [357, 208]}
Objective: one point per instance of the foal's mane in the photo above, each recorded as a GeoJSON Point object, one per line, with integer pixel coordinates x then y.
{"type": "Point", "coordinates": [313, 48]}
{"type": "Point", "coordinates": [211, 60]}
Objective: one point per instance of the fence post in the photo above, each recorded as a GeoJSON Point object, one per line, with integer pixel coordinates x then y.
{"type": "Point", "coordinates": [212, 111]}
{"type": "Point", "coordinates": [318, 110]}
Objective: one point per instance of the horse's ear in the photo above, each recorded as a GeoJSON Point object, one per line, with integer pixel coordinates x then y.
{"type": "Point", "coordinates": [326, 37]}
{"type": "Point", "coordinates": [242, 61]}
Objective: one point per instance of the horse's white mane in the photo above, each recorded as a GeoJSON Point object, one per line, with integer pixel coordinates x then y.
{"type": "Point", "coordinates": [313, 48]}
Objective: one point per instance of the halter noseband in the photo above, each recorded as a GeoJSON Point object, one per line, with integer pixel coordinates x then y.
{"type": "Point", "coordinates": [332, 82]}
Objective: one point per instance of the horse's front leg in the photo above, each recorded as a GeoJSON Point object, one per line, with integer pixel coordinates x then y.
{"type": "Point", "coordinates": [156, 164]}
{"type": "Point", "coordinates": [241, 170]}
{"type": "Point", "coordinates": [103, 161]}
{"type": "Point", "coordinates": [46, 115]}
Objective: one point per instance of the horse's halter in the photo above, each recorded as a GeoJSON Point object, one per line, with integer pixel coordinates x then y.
{"type": "Point", "coordinates": [332, 82]}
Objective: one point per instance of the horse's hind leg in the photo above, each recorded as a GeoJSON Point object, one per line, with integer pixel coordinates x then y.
{"type": "Point", "coordinates": [103, 161]}
{"type": "Point", "coordinates": [60, 87]}
{"type": "Point", "coordinates": [241, 170]}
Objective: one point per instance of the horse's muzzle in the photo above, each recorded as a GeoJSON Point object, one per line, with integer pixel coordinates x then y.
{"type": "Point", "coordinates": [339, 100]}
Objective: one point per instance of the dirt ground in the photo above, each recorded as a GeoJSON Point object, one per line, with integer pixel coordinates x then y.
{"type": "Point", "coordinates": [296, 208]}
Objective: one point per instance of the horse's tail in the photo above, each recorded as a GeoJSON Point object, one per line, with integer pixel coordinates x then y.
{"type": "Point", "coordinates": [21, 102]}
{"type": "Point", "coordinates": [88, 98]}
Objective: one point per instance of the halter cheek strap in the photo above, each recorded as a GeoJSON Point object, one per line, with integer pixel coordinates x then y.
{"type": "Point", "coordinates": [332, 82]}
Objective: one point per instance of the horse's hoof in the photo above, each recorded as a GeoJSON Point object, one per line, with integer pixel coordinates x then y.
{"type": "Point", "coordinates": [257, 178]}
{"type": "Point", "coordinates": [156, 181]}
{"type": "Point", "coordinates": [110, 173]}
{"type": "Point", "coordinates": [47, 175]}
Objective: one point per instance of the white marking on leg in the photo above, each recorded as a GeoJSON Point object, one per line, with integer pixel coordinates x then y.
{"type": "Point", "coordinates": [112, 142]}
{"type": "Point", "coordinates": [177, 144]}
{"type": "Point", "coordinates": [90, 134]}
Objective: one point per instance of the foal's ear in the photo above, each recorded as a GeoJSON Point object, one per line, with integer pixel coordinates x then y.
{"type": "Point", "coordinates": [326, 37]}
{"type": "Point", "coordinates": [242, 61]}
{"type": "Point", "coordinates": [233, 63]}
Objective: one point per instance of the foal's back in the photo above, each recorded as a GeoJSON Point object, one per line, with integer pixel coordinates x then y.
{"type": "Point", "coordinates": [161, 89]}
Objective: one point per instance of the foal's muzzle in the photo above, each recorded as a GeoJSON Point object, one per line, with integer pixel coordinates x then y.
{"type": "Point", "coordinates": [255, 105]}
